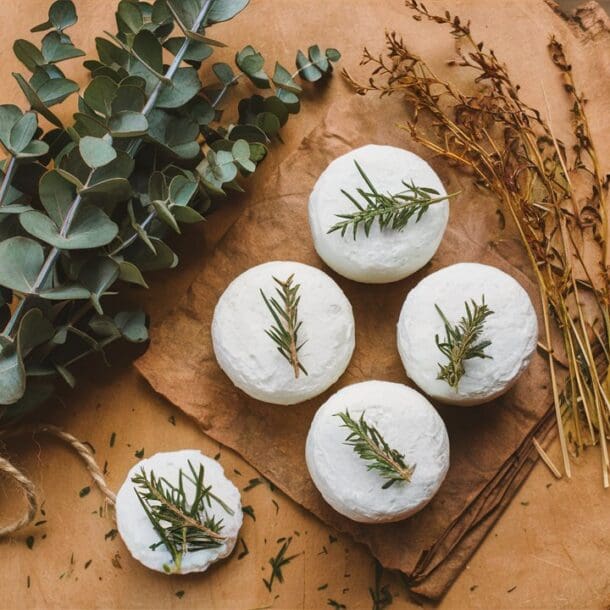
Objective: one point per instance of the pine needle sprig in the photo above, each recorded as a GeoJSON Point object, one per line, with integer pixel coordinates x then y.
{"type": "Point", "coordinates": [181, 526]}
{"type": "Point", "coordinates": [284, 333]}
{"type": "Point", "coordinates": [462, 341]}
{"type": "Point", "coordinates": [370, 445]}
{"type": "Point", "coordinates": [390, 210]}
{"type": "Point", "coordinates": [278, 562]}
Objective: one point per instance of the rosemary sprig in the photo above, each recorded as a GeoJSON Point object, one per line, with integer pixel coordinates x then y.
{"type": "Point", "coordinates": [462, 341]}
{"type": "Point", "coordinates": [393, 210]}
{"type": "Point", "coordinates": [182, 526]}
{"type": "Point", "coordinates": [284, 333]}
{"type": "Point", "coordinates": [278, 562]}
{"type": "Point", "coordinates": [368, 443]}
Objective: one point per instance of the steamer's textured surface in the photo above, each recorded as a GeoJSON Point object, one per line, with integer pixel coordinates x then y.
{"type": "Point", "coordinates": [512, 329]}
{"type": "Point", "coordinates": [407, 422]}
{"type": "Point", "coordinates": [386, 255]}
{"type": "Point", "coordinates": [138, 532]}
{"type": "Point", "coordinates": [251, 359]}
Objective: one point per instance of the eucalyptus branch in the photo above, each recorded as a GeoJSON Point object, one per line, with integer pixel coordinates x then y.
{"type": "Point", "coordinates": [142, 157]}
{"type": "Point", "coordinates": [182, 526]}
{"type": "Point", "coordinates": [287, 325]}
{"type": "Point", "coordinates": [370, 446]}
{"type": "Point", "coordinates": [461, 341]}
{"type": "Point", "coordinates": [54, 253]}
{"type": "Point", "coordinates": [393, 210]}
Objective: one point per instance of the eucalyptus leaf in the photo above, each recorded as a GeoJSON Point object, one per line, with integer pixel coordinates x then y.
{"type": "Point", "coordinates": [12, 372]}
{"type": "Point", "coordinates": [131, 15]}
{"type": "Point", "coordinates": [66, 292]}
{"type": "Point", "coordinates": [197, 51]}
{"type": "Point", "coordinates": [282, 78]}
{"type": "Point", "coordinates": [56, 195]}
{"type": "Point", "coordinates": [21, 259]}
{"type": "Point", "coordinates": [55, 91]}
{"type": "Point", "coordinates": [128, 124]}
{"type": "Point", "coordinates": [90, 229]}
{"type": "Point", "coordinates": [36, 148]}
{"type": "Point", "coordinates": [9, 115]}
{"type": "Point", "coordinates": [307, 69]}
{"type": "Point", "coordinates": [34, 330]}
{"type": "Point", "coordinates": [187, 215]}
{"type": "Point", "coordinates": [182, 190]}
{"type": "Point", "coordinates": [128, 272]}
{"type": "Point", "coordinates": [184, 87]}
{"type": "Point", "coordinates": [99, 94]}
{"type": "Point", "coordinates": [96, 152]}
{"type": "Point", "coordinates": [128, 98]}
{"type": "Point", "coordinates": [28, 54]}
{"type": "Point", "coordinates": [35, 102]}
{"type": "Point", "coordinates": [149, 50]}
{"type": "Point", "coordinates": [55, 48]}
{"type": "Point", "coordinates": [97, 276]}
{"type": "Point", "coordinates": [223, 10]}
{"type": "Point", "coordinates": [22, 132]}
{"type": "Point", "coordinates": [132, 325]}
{"type": "Point", "coordinates": [62, 15]}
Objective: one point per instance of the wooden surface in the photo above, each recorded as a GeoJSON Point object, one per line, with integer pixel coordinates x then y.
{"type": "Point", "coordinates": [534, 558]}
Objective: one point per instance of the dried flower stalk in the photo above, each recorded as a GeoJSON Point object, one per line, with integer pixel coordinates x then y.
{"type": "Point", "coordinates": [512, 151]}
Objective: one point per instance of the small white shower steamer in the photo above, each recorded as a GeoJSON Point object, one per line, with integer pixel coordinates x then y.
{"type": "Point", "coordinates": [137, 531]}
{"type": "Point", "coordinates": [512, 330]}
{"type": "Point", "coordinates": [407, 422]}
{"type": "Point", "coordinates": [251, 359]}
{"type": "Point", "coordinates": [385, 255]}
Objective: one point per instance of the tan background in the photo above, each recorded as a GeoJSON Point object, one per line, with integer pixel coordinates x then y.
{"type": "Point", "coordinates": [534, 558]}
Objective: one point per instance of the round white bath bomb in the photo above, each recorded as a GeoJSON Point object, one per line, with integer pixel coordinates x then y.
{"type": "Point", "coordinates": [386, 255]}
{"type": "Point", "coordinates": [138, 532]}
{"type": "Point", "coordinates": [407, 422]}
{"type": "Point", "coordinates": [249, 356]}
{"type": "Point", "coordinates": [512, 329]}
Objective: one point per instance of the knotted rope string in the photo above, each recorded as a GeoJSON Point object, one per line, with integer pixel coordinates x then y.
{"type": "Point", "coordinates": [28, 487]}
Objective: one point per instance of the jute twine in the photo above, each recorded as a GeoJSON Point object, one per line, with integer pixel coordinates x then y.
{"type": "Point", "coordinates": [28, 487]}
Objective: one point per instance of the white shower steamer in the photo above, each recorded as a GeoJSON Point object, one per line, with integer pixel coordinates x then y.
{"type": "Point", "coordinates": [251, 359]}
{"type": "Point", "coordinates": [512, 330]}
{"type": "Point", "coordinates": [408, 423]}
{"type": "Point", "coordinates": [385, 255]}
{"type": "Point", "coordinates": [138, 532]}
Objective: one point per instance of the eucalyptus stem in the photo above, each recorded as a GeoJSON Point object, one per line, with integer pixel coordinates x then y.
{"type": "Point", "coordinates": [53, 255]}
{"type": "Point", "coordinates": [9, 171]}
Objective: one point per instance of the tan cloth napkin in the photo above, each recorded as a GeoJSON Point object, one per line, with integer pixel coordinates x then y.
{"type": "Point", "coordinates": [491, 451]}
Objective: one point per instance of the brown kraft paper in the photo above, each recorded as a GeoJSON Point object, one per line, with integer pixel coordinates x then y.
{"type": "Point", "coordinates": [491, 448]}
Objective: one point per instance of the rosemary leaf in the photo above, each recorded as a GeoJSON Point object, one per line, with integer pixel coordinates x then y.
{"type": "Point", "coordinates": [391, 210]}
{"type": "Point", "coordinates": [368, 443]}
{"type": "Point", "coordinates": [462, 342]}
{"type": "Point", "coordinates": [181, 526]}
{"type": "Point", "coordinates": [284, 333]}
{"type": "Point", "coordinates": [278, 562]}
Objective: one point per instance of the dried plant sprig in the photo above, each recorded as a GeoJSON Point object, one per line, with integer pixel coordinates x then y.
{"type": "Point", "coordinates": [393, 210]}
{"type": "Point", "coordinates": [370, 446]}
{"type": "Point", "coordinates": [513, 152]}
{"type": "Point", "coordinates": [284, 333]}
{"type": "Point", "coordinates": [278, 562]}
{"type": "Point", "coordinates": [182, 526]}
{"type": "Point", "coordinates": [462, 340]}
